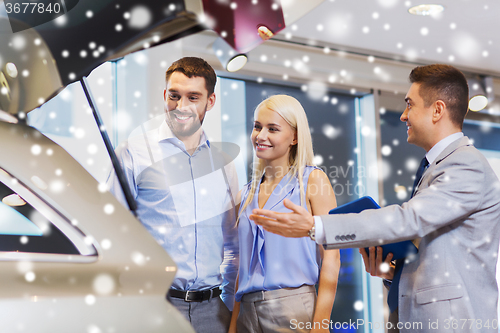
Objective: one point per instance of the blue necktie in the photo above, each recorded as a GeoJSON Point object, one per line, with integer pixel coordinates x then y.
{"type": "Point", "coordinates": [392, 296]}
{"type": "Point", "coordinates": [421, 168]}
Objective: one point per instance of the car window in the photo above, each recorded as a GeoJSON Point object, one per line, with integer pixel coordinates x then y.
{"type": "Point", "coordinates": [29, 225]}
{"type": "Point", "coordinates": [12, 219]}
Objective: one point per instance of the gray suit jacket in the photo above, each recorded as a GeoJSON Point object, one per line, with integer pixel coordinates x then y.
{"type": "Point", "coordinates": [456, 212]}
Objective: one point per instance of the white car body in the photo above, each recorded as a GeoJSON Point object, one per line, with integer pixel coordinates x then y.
{"type": "Point", "coordinates": [119, 279]}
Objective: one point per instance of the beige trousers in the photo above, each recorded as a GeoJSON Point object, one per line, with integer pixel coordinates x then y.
{"type": "Point", "coordinates": [281, 310]}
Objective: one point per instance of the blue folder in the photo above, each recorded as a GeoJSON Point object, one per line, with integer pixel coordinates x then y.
{"type": "Point", "coordinates": [399, 250]}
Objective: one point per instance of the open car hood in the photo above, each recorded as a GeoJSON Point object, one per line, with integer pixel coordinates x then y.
{"type": "Point", "coordinates": [45, 58]}
{"type": "Point", "coordinates": [41, 53]}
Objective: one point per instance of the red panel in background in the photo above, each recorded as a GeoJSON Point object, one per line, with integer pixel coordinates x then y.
{"type": "Point", "coordinates": [241, 24]}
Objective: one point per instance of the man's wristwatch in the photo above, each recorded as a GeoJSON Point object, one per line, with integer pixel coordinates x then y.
{"type": "Point", "coordinates": [312, 233]}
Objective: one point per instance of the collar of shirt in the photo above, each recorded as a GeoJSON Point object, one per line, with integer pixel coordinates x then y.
{"type": "Point", "coordinates": [164, 133]}
{"type": "Point", "coordinates": [441, 145]}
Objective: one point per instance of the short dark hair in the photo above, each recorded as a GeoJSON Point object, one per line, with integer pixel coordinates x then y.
{"type": "Point", "coordinates": [446, 83]}
{"type": "Point", "coordinates": [192, 66]}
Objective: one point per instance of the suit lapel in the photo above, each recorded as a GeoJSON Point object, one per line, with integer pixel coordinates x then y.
{"type": "Point", "coordinates": [452, 147]}
{"type": "Point", "coordinates": [463, 141]}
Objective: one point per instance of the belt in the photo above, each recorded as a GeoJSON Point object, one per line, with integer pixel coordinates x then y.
{"type": "Point", "coordinates": [195, 295]}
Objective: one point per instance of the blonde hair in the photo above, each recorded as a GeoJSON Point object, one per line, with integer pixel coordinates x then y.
{"type": "Point", "coordinates": [300, 155]}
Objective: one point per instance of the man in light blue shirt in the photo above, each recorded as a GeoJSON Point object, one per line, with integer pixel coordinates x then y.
{"type": "Point", "coordinates": [185, 188]}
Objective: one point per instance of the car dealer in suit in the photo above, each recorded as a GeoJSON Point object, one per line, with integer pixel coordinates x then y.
{"type": "Point", "coordinates": [450, 285]}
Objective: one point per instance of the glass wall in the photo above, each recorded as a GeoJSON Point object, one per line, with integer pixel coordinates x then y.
{"type": "Point", "coordinates": [400, 160]}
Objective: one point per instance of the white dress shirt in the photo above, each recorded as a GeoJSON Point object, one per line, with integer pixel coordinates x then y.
{"type": "Point", "coordinates": [187, 203]}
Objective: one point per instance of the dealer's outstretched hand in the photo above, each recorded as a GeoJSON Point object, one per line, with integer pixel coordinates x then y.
{"type": "Point", "coordinates": [295, 224]}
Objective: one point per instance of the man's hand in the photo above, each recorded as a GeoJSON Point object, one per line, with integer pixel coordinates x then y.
{"type": "Point", "coordinates": [374, 264]}
{"type": "Point", "coordinates": [295, 224]}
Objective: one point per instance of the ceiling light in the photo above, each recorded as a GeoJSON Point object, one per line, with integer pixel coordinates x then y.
{"type": "Point", "coordinates": [13, 200]}
{"type": "Point", "coordinates": [425, 10]}
{"type": "Point", "coordinates": [477, 103]}
{"type": "Point", "coordinates": [236, 63]}
{"type": "Point", "coordinates": [11, 70]}
{"type": "Point", "coordinates": [480, 92]}
{"type": "Point", "coordinates": [264, 32]}
{"type": "Point", "coordinates": [228, 57]}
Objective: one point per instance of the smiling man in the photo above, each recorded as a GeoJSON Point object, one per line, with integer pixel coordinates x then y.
{"type": "Point", "coordinates": [186, 102]}
{"type": "Point", "coordinates": [454, 212]}
{"type": "Point", "coordinates": [184, 186]}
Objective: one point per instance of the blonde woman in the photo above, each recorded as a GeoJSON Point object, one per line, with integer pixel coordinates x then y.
{"type": "Point", "coordinates": [277, 275]}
